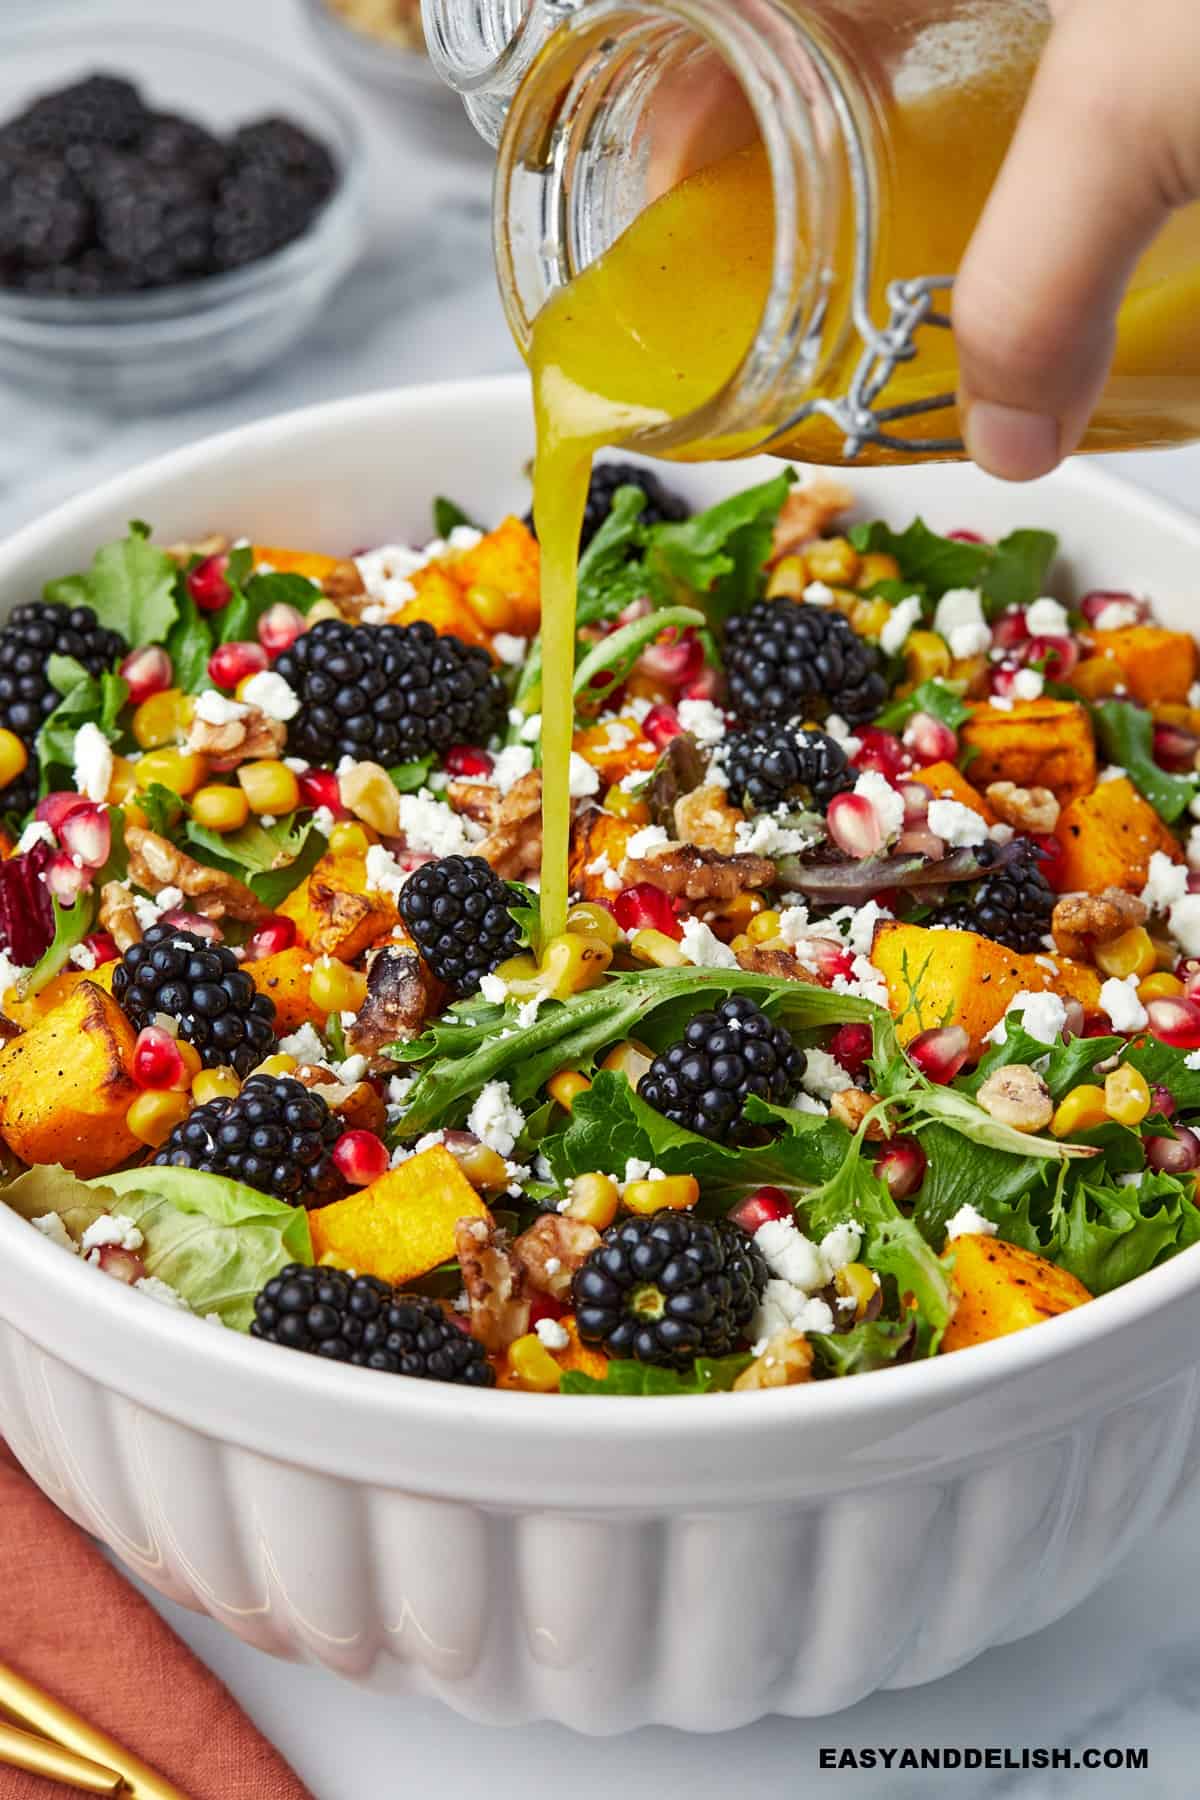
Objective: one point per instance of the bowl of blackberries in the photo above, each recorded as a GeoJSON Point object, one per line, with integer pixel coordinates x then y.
{"type": "Point", "coordinates": [175, 212]}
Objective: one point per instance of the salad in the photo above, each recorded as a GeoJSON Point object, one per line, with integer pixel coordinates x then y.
{"type": "Point", "coordinates": [874, 1033]}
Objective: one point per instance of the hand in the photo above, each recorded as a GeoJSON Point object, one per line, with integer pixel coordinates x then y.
{"type": "Point", "coordinates": [1108, 147]}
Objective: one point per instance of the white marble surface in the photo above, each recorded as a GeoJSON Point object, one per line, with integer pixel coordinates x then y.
{"type": "Point", "coordinates": [1124, 1670]}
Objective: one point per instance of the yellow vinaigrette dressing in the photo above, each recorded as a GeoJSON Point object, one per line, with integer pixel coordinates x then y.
{"type": "Point", "coordinates": [658, 325]}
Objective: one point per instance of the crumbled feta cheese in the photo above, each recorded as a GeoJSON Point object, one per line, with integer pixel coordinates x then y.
{"type": "Point", "coordinates": [1192, 1060]}
{"type": "Point", "coordinates": [1119, 999]}
{"type": "Point", "coordinates": [305, 1045]}
{"type": "Point", "coordinates": [583, 780]}
{"type": "Point", "coordinates": [114, 1229]}
{"type": "Point", "coordinates": [80, 956]}
{"type": "Point", "coordinates": [351, 1071]}
{"type": "Point", "coordinates": [1193, 849]}
{"type": "Point", "coordinates": [956, 824]}
{"type": "Point", "coordinates": [271, 694]}
{"type": "Point", "coordinates": [824, 1076]}
{"type": "Point", "coordinates": [145, 912]}
{"type": "Point", "coordinates": [1000, 833]}
{"type": "Point", "coordinates": [495, 1120]}
{"type": "Point", "coordinates": [12, 974]}
{"type": "Point", "coordinates": [903, 617]}
{"type": "Point", "coordinates": [324, 820]}
{"type": "Point", "coordinates": [793, 923]}
{"type": "Point", "coordinates": [428, 825]}
{"type": "Point", "coordinates": [218, 709]}
{"type": "Point", "coordinates": [1166, 882]}
{"type": "Point", "coordinates": [1028, 684]}
{"type": "Point", "coordinates": [864, 982]}
{"type": "Point", "coordinates": [93, 757]}
{"type": "Point", "coordinates": [511, 765]}
{"type": "Point", "coordinates": [385, 573]}
{"type": "Point", "coordinates": [799, 1269]}
{"type": "Point", "coordinates": [1111, 772]}
{"type": "Point", "coordinates": [884, 802]}
{"type": "Point", "coordinates": [1044, 1017]}
{"type": "Point", "coordinates": [836, 727]}
{"type": "Point", "coordinates": [969, 1223]}
{"type": "Point", "coordinates": [1047, 618]}
{"type": "Point", "coordinates": [643, 842]}
{"type": "Point", "coordinates": [297, 765]}
{"type": "Point", "coordinates": [36, 832]}
{"type": "Point", "coordinates": [553, 1335]}
{"type": "Point", "coordinates": [1001, 702]}
{"type": "Point", "coordinates": [527, 1012]}
{"type": "Point", "coordinates": [1117, 615]}
{"type": "Point", "coordinates": [52, 1227]}
{"type": "Point", "coordinates": [162, 1291]}
{"type": "Point", "coordinates": [701, 946]}
{"type": "Point", "coordinates": [819, 593]}
{"type": "Point", "coordinates": [705, 721]}
{"type": "Point", "coordinates": [1184, 920]}
{"type": "Point", "coordinates": [494, 989]}
{"type": "Point", "coordinates": [383, 873]}
{"type": "Point", "coordinates": [531, 728]}
{"type": "Point", "coordinates": [765, 835]}
{"type": "Point", "coordinates": [959, 619]}
{"type": "Point", "coordinates": [808, 1103]}
{"type": "Point", "coordinates": [511, 650]}
{"type": "Point", "coordinates": [1193, 698]}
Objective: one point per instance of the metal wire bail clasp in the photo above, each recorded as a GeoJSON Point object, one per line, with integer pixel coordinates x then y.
{"type": "Point", "coordinates": [912, 306]}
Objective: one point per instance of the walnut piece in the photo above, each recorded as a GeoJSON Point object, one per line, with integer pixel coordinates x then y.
{"type": "Point", "coordinates": [1081, 921]}
{"type": "Point", "coordinates": [477, 800]}
{"type": "Point", "coordinates": [807, 512]}
{"type": "Point", "coordinates": [851, 1106]}
{"type": "Point", "coordinates": [368, 791]}
{"type": "Point", "coordinates": [762, 959]}
{"type": "Point", "coordinates": [551, 1251]}
{"type": "Point", "coordinates": [698, 874]}
{"type": "Point", "coordinates": [215, 544]}
{"type": "Point", "coordinates": [1025, 809]}
{"type": "Point", "coordinates": [343, 582]}
{"type": "Point", "coordinates": [237, 740]}
{"type": "Point", "coordinates": [356, 1104]}
{"type": "Point", "coordinates": [117, 913]}
{"type": "Point", "coordinates": [401, 995]}
{"type": "Point", "coordinates": [1016, 1095]}
{"type": "Point", "coordinates": [707, 817]}
{"type": "Point", "coordinates": [514, 844]}
{"type": "Point", "coordinates": [156, 863]}
{"type": "Point", "coordinates": [494, 1284]}
{"type": "Point", "coordinates": [785, 1361]}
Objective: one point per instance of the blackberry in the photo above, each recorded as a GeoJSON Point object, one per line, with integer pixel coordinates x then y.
{"type": "Point", "coordinates": [457, 911]}
{"type": "Point", "coordinates": [392, 693]}
{"type": "Point", "coordinates": [773, 765]}
{"type": "Point", "coordinates": [724, 1056]}
{"type": "Point", "coordinates": [1013, 906]}
{"type": "Point", "coordinates": [104, 109]}
{"type": "Point", "coordinates": [800, 662]}
{"type": "Point", "coordinates": [199, 984]}
{"type": "Point", "coordinates": [33, 634]}
{"type": "Point", "coordinates": [155, 224]}
{"type": "Point", "coordinates": [668, 1288]}
{"type": "Point", "coordinates": [45, 218]}
{"type": "Point", "coordinates": [276, 1136]}
{"type": "Point", "coordinates": [362, 1320]}
{"type": "Point", "coordinates": [279, 149]}
{"type": "Point", "coordinates": [662, 506]}
{"type": "Point", "coordinates": [258, 213]}
{"type": "Point", "coordinates": [170, 142]}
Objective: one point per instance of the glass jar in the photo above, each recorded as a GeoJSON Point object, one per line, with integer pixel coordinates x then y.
{"type": "Point", "coordinates": [798, 183]}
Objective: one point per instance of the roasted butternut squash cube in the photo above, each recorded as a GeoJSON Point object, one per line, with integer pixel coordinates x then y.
{"type": "Point", "coordinates": [27, 1012]}
{"type": "Point", "coordinates": [1108, 838]}
{"type": "Point", "coordinates": [616, 749]}
{"type": "Point", "coordinates": [1039, 743]}
{"type": "Point", "coordinates": [402, 1225]}
{"type": "Point", "coordinates": [1002, 1288]}
{"type": "Point", "coordinates": [440, 601]}
{"type": "Point", "coordinates": [598, 841]}
{"type": "Point", "coordinates": [509, 560]}
{"type": "Point", "coordinates": [961, 978]}
{"type": "Point", "coordinates": [66, 1086]}
{"type": "Point", "coordinates": [945, 782]}
{"type": "Point", "coordinates": [286, 978]}
{"type": "Point", "coordinates": [333, 912]}
{"type": "Point", "coordinates": [1156, 664]}
{"type": "Point", "coordinates": [298, 562]}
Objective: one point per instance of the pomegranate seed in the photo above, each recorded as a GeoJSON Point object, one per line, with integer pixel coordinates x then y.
{"type": "Point", "coordinates": [762, 1207]}
{"type": "Point", "coordinates": [1177, 1155]}
{"type": "Point", "coordinates": [196, 923]}
{"type": "Point", "coordinates": [66, 878]}
{"type": "Point", "coordinates": [916, 797]}
{"type": "Point", "coordinates": [640, 608]}
{"type": "Point", "coordinates": [853, 825]}
{"type": "Point", "coordinates": [1096, 1024]}
{"type": "Point", "coordinates": [272, 936]}
{"type": "Point", "coordinates": [1093, 604]}
{"type": "Point", "coordinates": [361, 1157]}
{"type": "Point", "coordinates": [674, 657]}
{"type": "Point", "coordinates": [707, 685]}
{"type": "Point", "coordinates": [156, 1060]}
{"type": "Point", "coordinates": [103, 947]}
{"type": "Point", "coordinates": [645, 907]}
{"type": "Point", "coordinates": [1052, 857]}
{"type": "Point", "coordinates": [1001, 679]}
{"type": "Point", "coordinates": [319, 787]}
{"type": "Point", "coordinates": [1175, 749]}
{"type": "Point", "coordinates": [1162, 1100]}
{"type": "Point", "coordinates": [279, 628]}
{"type": "Point", "coordinates": [231, 663]}
{"type": "Point", "coordinates": [1057, 655]}
{"type": "Point", "coordinates": [940, 1053]}
{"type": "Point", "coordinates": [965, 537]}
{"type": "Point", "coordinates": [881, 750]}
{"type": "Point", "coordinates": [902, 1167]}
{"type": "Point", "coordinates": [918, 840]}
{"type": "Point", "coordinates": [929, 740]}
{"type": "Point", "coordinates": [827, 958]}
{"type": "Point", "coordinates": [545, 1306]}
{"type": "Point", "coordinates": [86, 832]}
{"type": "Point", "coordinates": [147, 672]}
{"type": "Point", "coordinates": [122, 1265]}
{"type": "Point", "coordinates": [464, 759]}
{"type": "Point", "coordinates": [661, 724]}
{"type": "Point", "coordinates": [1191, 983]}
{"type": "Point", "coordinates": [1010, 630]}
{"type": "Point", "coordinates": [52, 809]}
{"type": "Point", "coordinates": [851, 1047]}
{"type": "Point", "coordinates": [1075, 1020]}
{"type": "Point", "coordinates": [207, 585]}
{"type": "Point", "coordinates": [1175, 1021]}
{"type": "Point", "coordinates": [1193, 881]}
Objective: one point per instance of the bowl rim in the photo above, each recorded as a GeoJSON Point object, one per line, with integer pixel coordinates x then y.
{"type": "Point", "coordinates": [372, 58]}
{"type": "Point", "coordinates": [164, 312]}
{"type": "Point", "coordinates": [154, 1332]}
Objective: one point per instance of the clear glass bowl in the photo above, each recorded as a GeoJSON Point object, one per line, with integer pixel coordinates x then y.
{"type": "Point", "coordinates": [394, 73]}
{"type": "Point", "coordinates": [143, 352]}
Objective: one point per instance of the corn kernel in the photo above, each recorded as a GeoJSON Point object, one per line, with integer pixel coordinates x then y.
{"type": "Point", "coordinates": [591, 921]}
{"type": "Point", "coordinates": [566, 1087]}
{"type": "Point", "coordinates": [279, 1064]}
{"type": "Point", "coordinates": [122, 781]}
{"type": "Point", "coordinates": [926, 655]}
{"type": "Point", "coordinates": [1127, 1095]}
{"type": "Point", "coordinates": [671, 1193]}
{"type": "Point", "coordinates": [483, 1167]}
{"type": "Point", "coordinates": [134, 815]}
{"type": "Point", "coordinates": [856, 1282]}
{"type": "Point", "coordinates": [491, 606]}
{"type": "Point", "coordinates": [162, 719]}
{"type": "Point", "coordinates": [1097, 676]}
{"type": "Point", "coordinates": [833, 560]}
{"type": "Point", "coordinates": [1082, 1109]}
{"type": "Point", "coordinates": [741, 945]}
{"type": "Point", "coordinates": [1130, 954]}
{"type": "Point", "coordinates": [269, 787]}
{"type": "Point", "coordinates": [216, 1084]}
{"type": "Point", "coordinates": [788, 579]}
{"type": "Point", "coordinates": [571, 964]}
{"type": "Point", "coordinates": [533, 1365]}
{"type": "Point", "coordinates": [180, 770]}
{"type": "Point", "coordinates": [324, 609]}
{"type": "Point", "coordinates": [1159, 986]}
{"type": "Point", "coordinates": [765, 925]}
{"type": "Point", "coordinates": [335, 987]}
{"type": "Point", "coordinates": [875, 566]}
{"type": "Point", "coordinates": [630, 1059]}
{"type": "Point", "coordinates": [972, 673]}
{"type": "Point", "coordinates": [656, 947]}
{"type": "Point", "coordinates": [349, 838]}
{"type": "Point", "coordinates": [14, 757]}
{"type": "Point", "coordinates": [868, 617]}
{"type": "Point", "coordinates": [192, 1064]}
{"type": "Point", "coordinates": [154, 1115]}
{"type": "Point", "coordinates": [593, 1200]}
{"type": "Point", "coordinates": [220, 808]}
{"type": "Point", "coordinates": [626, 806]}
{"type": "Point", "coordinates": [730, 916]}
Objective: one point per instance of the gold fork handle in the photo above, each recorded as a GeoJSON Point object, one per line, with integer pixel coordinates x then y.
{"type": "Point", "coordinates": [38, 1756]}
{"type": "Point", "coordinates": [40, 1712]}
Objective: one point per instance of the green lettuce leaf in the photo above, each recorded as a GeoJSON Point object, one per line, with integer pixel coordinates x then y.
{"type": "Point", "coordinates": [1014, 1192]}
{"type": "Point", "coordinates": [71, 926]}
{"type": "Point", "coordinates": [708, 1375]}
{"type": "Point", "coordinates": [719, 555]}
{"type": "Point", "coordinates": [271, 859]}
{"type": "Point", "coordinates": [1010, 573]}
{"type": "Point", "coordinates": [1126, 735]}
{"type": "Point", "coordinates": [446, 515]}
{"type": "Point", "coordinates": [189, 644]}
{"type": "Point", "coordinates": [85, 698]}
{"type": "Point", "coordinates": [131, 587]}
{"type": "Point", "coordinates": [616, 654]}
{"type": "Point", "coordinates": [408, 777]}
{"type": "Point", "coordinates": [1109, 1234]}
{"type": "Point", "coordinates": [937, 698]}
{"type": "Point", "coordinates": [163, 808]}
{"type": "Point", "coordinates": [861, 1349]}
{"type": "Point", "coordinates": [237, 623]}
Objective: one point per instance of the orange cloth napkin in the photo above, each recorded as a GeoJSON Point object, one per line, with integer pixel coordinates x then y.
{"type": "Point", "coordinates": [74, 1626]}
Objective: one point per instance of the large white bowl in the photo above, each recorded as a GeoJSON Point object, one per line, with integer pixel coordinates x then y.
{"type": "Point", "coordinates": [604, 1563]}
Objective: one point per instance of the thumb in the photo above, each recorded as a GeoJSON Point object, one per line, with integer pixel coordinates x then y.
{"type": "Point", "coordinates": [1088, 182]}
